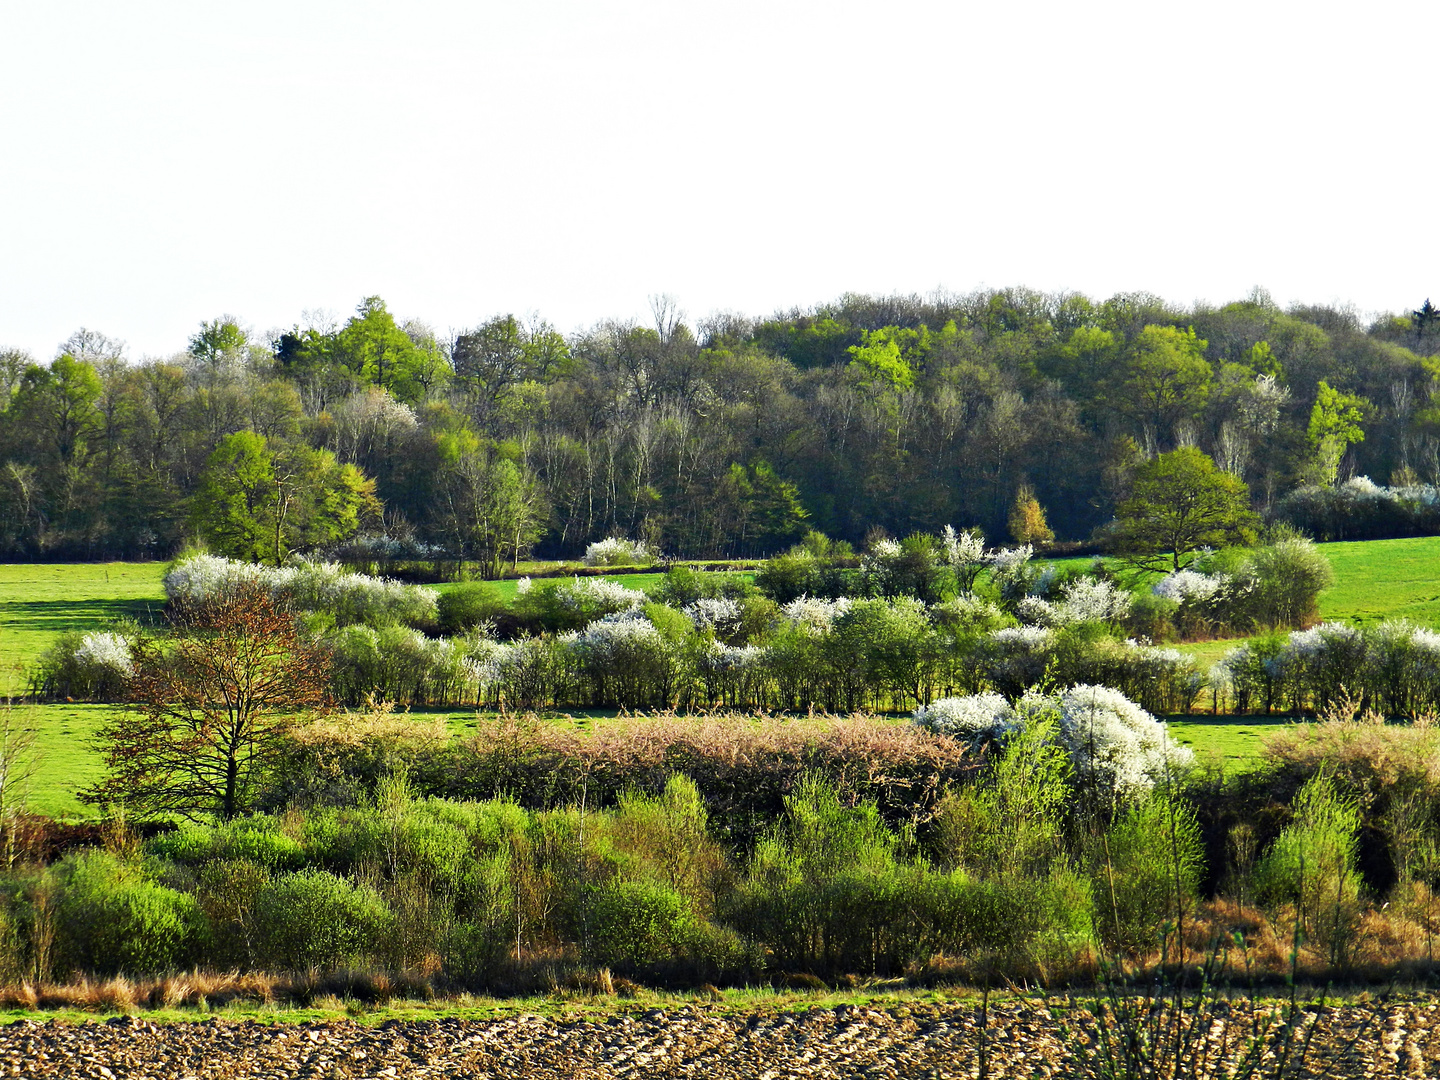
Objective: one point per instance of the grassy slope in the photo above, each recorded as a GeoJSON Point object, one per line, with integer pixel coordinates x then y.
{"type": "Point", "coordinates": [1376, 580]}
{"type": "Point", "coordinates": [1384, 579]}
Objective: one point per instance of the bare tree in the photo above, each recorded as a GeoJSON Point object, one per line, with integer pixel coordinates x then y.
{"type": "Point", "coordinates": [667, 314]}
{"type": "Point", "coordinates": [211, 713]}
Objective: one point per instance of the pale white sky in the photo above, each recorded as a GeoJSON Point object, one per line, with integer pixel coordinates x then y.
{"type": "Point", "coordinates": [163, 163]}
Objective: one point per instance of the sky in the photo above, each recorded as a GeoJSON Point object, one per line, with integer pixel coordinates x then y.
{"type": "Point", "coordinates": [166, 163]}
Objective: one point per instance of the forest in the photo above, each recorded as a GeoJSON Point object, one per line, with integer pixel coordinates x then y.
{"type": "Point", "coordinates": [733, 437]}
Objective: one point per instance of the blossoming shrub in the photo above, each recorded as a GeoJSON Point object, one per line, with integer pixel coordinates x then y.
{"type": "Point", "coordinates": [627, 661]}
{"type": "Point", "coordinates": [1241, 590]}
{"type": "Point", "coordinates": [305, 586]}
{"type": "Point", "coordinates": [560, 606]}
{"type": "Point", "coordinates": [733, 675]}
{"type": "Point", "coordinates": [1015, 658]}
{"type": "Point", "coordinates": [1114, 746]}
{"type": "Point", "coordinates": [1360, 509]}
{"type": "Point", "coordinates": [1078, 600]}
{"type": "Point", "coordinates": [973, 719]}
{"type": "Point", "coordinates": [1392, 669]}
{"type": "Point", "coordinates": [92, 666]}
{"type": "Point", "coordinates": [615, 551]}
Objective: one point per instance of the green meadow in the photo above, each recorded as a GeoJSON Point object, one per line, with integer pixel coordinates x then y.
{"type": "Point", "coordinates": [40, 601]}
{"type": "Point", "coordinates": [1375, 580]}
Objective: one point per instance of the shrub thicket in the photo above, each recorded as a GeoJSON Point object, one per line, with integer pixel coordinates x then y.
{"type": "Point", "coordinates": [1360, 509]}
{"type": "Point", "coordinates": [1014, 867]}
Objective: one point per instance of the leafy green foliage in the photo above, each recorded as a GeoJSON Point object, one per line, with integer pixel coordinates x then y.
{"type": "Point", "coordinates": [1180, 503]}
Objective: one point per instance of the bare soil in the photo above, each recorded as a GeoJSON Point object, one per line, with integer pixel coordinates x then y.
{"type": "Point", "coordinates": [1024, 1039]}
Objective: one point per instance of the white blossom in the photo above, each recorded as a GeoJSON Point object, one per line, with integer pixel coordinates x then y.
{"type": "Point", "coordinates": [815, 614]}
{"type": "Point", "coordinates": [605, 641]}
{"type": "Point", "coordinates": [722, 614]}
{"type": "Point", "coordinates": [1038, 612]}
{"type": "Point", "coordinates": [1110, 737]}
{"type": "Point", "coordinates": [615, 551]}
{"type": "Point", "coordinates": [1008, 560]}
{"type": "Point", "coordinates": [973, 718]}
{"type": "Point", "coordinates": [962, 549]}
{"type": "Point", "coordinates": [308, 585]}
{"type": "Point", "coordinates": [1184, 586]}
{"type": "Point", "coordinates": [1028, 638]}
{"type": "Point", "coordinates": [610, 597]}
{"type": "Point", "coordinates": [1089, 599]}
{"type": "Point", "coordinates": [1363, 487]}
{"type": "Point", "coordinates": [886, 549]}
{"type": "Point", "coordinates": [1084, 600]}
{"type": "Point", "coordinates": [1305, 644]}
{"type": "Point", "coordinates": [107, 650]}
{"type": "Point", "coordinates": [1428, 640]}
{"type": "Point", "coordinates": [720, 657]}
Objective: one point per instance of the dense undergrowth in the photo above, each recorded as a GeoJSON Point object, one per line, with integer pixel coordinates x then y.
{"type": "Point", "coordinates": [679, 853]}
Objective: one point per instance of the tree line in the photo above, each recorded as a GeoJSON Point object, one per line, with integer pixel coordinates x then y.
{"type": "Point", "coordinates": [731, 437]}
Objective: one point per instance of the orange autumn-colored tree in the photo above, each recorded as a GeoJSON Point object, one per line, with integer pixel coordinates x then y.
{"type": "Point", "coordinates": [210, 709]}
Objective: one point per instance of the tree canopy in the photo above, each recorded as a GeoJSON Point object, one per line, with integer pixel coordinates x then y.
{"type": "Point", "coordinates": [899, 412]}
{"type": "Point", "coordinates": [1179, 503]}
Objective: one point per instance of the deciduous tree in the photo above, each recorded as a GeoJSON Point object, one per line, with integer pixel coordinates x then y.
{"type": "Point", "coordinates": [255, 503]}
{"type": "Point", "coordinates": [1334, 426]}
{"type": "Point", "coordinates": [1181, 502]}
{"type": "Point", "coordinates": [210, 710]}
{"type": "Point", "coordinates": [1027, 519]}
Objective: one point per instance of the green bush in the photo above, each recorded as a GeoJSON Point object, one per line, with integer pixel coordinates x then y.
{"type": "Point", "coordinates": [790, 576]}
{"type": "Point", "coordinates": [342, 839]}
{"type": "Point", "coordinates": [1009, 824]}
{"type": "Point", "coordinates": [1145, 872]}
{"type": "Point", "coordinates": [639, 923]}
{"type": "Point", "coordinates": [666, 839]}
{"type": "Point", "coordinates": [1311, 865]}
{"type": "Point", "coordinates": [1281, 583]}
{"type": "Point", "coordinates": [314, 919]}
{"type": "Point", "coordinates": [228, 892]}
{"type": "Point", "coordinates": [823, 890]}
{"type": "Point", "coordinates": [467, 606]}
{"type": "Point", "coordinates": [258, 839]}
{"type": "Point", "coordinates": [113, 919]}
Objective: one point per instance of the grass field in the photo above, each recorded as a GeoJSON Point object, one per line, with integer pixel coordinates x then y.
{"type": "Point", "coordinates": [40, 601]}
{"type": "Point", "coordinates": [1376, 580]}
{"type": "Point", "coordinates": [1384, 579]}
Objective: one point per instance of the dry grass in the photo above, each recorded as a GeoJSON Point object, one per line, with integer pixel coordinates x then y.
{"type": "Point", "coordinates": [205, 990]}
{"type": "Point", "coordinates": [1364, 753]}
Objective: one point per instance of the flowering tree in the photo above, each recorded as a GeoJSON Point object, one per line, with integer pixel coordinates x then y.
{"type": "Point", "coordinates": [210, 714]}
